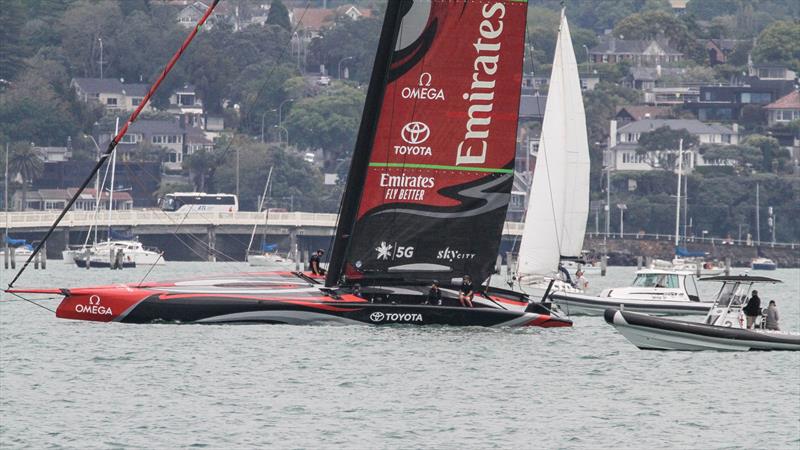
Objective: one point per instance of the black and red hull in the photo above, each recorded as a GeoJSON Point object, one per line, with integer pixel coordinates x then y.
{"type": "Point", "coordinates": [286, 298]}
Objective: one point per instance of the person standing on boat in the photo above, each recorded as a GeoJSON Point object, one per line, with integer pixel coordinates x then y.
{"type": "Point", "coordinates": [314, 262]}
{"type": "Point", "coordinates": [434, 295]}
{"type": "Point", "coordinates": [772, 316]}
{"type": "Point", "coordinates": [752, 309]}
{"type": "Point", "coordinates": [581, 282]}
{"type": "Point", "coordinates": [467, 292]}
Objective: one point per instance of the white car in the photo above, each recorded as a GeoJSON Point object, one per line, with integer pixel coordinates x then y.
{"type": "Point", "coordinates": [324, 80]}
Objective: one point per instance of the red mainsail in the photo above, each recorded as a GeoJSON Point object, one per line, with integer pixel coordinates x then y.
{"type": "Point", "coordinates": [435, 189]}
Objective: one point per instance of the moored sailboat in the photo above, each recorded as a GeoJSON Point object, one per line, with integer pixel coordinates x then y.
{"type": "Point", "coordinates": [409, 217]}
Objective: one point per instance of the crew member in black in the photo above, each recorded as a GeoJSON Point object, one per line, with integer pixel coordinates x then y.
{"type": "Point", "coordinates": [467, 292]}
{"type": "Point", "coordinates": [434, 295]}
{"type": "Point", "coordinates": [752, 309]}
{"type": "Point", "coordinates": [314, 262]}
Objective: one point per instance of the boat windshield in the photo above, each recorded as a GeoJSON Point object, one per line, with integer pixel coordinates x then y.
{"type": "Point", "coordinates": [733, 294]}
{"type": "Point", "coordinates": [658, 280]}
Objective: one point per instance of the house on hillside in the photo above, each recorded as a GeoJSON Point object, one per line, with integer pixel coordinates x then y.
{"type": "Point", "coordinates": [638, 52]}
{"type": "Point", "coordinates": [190, 14]}
{"type": "Point", "coordinates": [727, 102]}
{"type": "Point", "coordinates": [785, 109]}
{"type": "Point", "coordinates": [771, 72]}
{"type": "Point", "coordinates": [56, 200]}
{"type": "Point", "coordinates": [623, 150]}
{"type": "Point", "coordinates": [313, 20]}
{"type": "Point", "coordinates": [662, 85]}
{"type": "Point", "coordinates": [175, 136]}
{"type": "Point", "coordinates": [185, 102]}
{"type": "Point", "coordinates": [114, 94]}
{"type": "Point", "coordinates": [53, 154]}
{"type": "Point", "coordinates": [720, 49]}
{"type": "Point", "coordinates": [632, 113]}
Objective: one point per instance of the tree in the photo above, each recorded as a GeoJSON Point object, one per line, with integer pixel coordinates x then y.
{"type": "Point", "coordinates": [279, 15]}
{"type": "Point", "coordinates": [11, 49]}
{"type": "Point", "coordinates": [742, 156]}
{"type": "Point", "coordinates": [347, 38]}
{"type": "Point", "coordinates": [659, 25]}
{"type": "Point", "coordinates": [773, 157]}
{"type": "Point", "coordinates": [24, 161]}
{"type": "Point", "coordinates": [660, 146]}
{"type": "Point", "coordinates": [199, 165]}
{"type": "Point", "coordinates": [329, 122]}
{"type": "Point", "coordinates": [779, 43]}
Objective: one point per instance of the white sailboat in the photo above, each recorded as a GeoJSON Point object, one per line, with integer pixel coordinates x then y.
{"type": "Point", "coordinates": [558, 206]}
{"type": "Point", "coordinates": [265, 256]}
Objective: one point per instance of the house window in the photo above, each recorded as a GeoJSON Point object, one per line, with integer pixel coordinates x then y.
{"type": "Point", "coordinates": [130, 139]}
{"type": "Point", "coordinates": [111, 101]}
{"type": "Point", "coordinates": [135, 101]}
{"type": "Point", "coordinates": [756, 97]}
{"type": "Point", "coordinates": [726, 138]}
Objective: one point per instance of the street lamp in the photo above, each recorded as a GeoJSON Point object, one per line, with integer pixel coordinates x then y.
{"type": "Point", "coordinates": [339, 66]}
{"type": "Point", "coordinates": [284, 129]}
{"type": "Point", "coordinates": [262, 123]}
{"type": "Point", "coordinates": [280, 115]}
{"type": "Point", "coordinates": [622, 207]}
{"type": "Point", "coordinates": [588, 61]}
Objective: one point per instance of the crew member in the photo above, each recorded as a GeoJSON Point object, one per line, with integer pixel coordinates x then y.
{"type": "Point", "coordinates": [467, 292]}
{"type": "Point", "coordinates": [752, 309]}
{"type": "Point", "coordinates": [434, 295]}
{"type": "Point", "coordinates": [772, 316]}
{"type": "Point", "coordinates": [314, 262]}
{"type": "Point", "coordinates": [581, 283]}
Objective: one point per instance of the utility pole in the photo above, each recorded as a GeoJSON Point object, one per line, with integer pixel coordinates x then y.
{"type": "Point", "coordinates": [678, 200]}
{"type": "Point", "coordinates": [758, 218]}
{"type": "Point", "coordinates": [101, 57]}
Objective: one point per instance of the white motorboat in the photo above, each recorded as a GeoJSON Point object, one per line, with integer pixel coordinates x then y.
{"type": "Point", "coordinates": [655, 291]}
{"type": "Point", "coordinates": [21, 254]}
{"type": "Point", "coordinates": [269, 259]}
{"type": "Point", "coordinates": [723, 328]}
{"type": "Point", "coordinates": [133, 254]}
{"type": "Point", "coordinates": [558, 205]}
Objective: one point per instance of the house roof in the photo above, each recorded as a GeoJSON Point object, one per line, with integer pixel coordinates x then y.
{"type": "Point", "coordinates": [725, 44]}
{"type": "Point", "coordinates": [788, 101]}
{"type": "Point", "coordinates": [639, 112]}
{"type": "Point", "coordinates": [312, 18]}
{"type": "Point", "coordinates": [89, 193]}
{"type": "Point", "coordinates": [622, 46]}
{"type": "Point", "coordinates": [110, 86]}
{"type": "Point", "coordinates": [532, 105]}
{"type": "Point", "coordinates": [690, 125]}
{"type": "Point", "coordinates": [654, 73]}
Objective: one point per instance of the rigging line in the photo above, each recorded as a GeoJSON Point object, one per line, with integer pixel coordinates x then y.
{"type": "Point", "coordinates": [113, 143]}
{"type": "Point", "coordinates": [162, 254]}
{"type": "Point", "coordinates": [31, 301]}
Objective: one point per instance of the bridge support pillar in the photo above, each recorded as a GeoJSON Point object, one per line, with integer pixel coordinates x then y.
{"type": "Point", "coordinates": [293, 245]}
{"type": "Point", "coordinates": [66, 238]}
{"type": "Point", "coordinates": [211, 235]}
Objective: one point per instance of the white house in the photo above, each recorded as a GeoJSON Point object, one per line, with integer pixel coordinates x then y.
{"type": "Point", "coordinates": [114, 94]}
{"type": "Point", "coordinates": [623, 150]}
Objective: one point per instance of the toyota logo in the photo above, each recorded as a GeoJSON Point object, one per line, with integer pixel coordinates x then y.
{"type": "Point", "coordinates": [377, 316]}
{"type": "Point", "coordinates": [415, 133]}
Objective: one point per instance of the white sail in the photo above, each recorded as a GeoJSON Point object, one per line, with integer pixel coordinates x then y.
{"type": "Point", "coordinates": [558, 206]}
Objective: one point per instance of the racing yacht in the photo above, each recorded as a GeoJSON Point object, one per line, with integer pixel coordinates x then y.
{"type": "Point", "coordinates": [425, 199]}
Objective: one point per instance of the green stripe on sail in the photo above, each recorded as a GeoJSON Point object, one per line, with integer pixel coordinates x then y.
{"type": "Point", "coordinates": [438, 167]}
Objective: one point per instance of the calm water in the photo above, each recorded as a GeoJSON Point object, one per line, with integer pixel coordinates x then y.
{"type": "Point", "coordinates": [87, 385]}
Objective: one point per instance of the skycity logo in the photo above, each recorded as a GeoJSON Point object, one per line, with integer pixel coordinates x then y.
{"type": "Point", "coordinates": [452, 255]}
{"type": "Point", "coordinates": [415, 133]}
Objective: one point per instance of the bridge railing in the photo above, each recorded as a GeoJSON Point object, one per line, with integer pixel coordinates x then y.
{"type": "Point", "coordinates": [694, 239]}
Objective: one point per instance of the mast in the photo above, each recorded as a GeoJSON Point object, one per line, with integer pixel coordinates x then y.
{"type": "Point", "coordinates": [113, 143]}
{"type": "Point", "coordinates": [366, 134]}
{"type": "Point", "coordinates": [260, 208]}
{"type": "Point", "coordinates": [678, 198]}
{"type": "Point", "coordinates": [111, 186]}
{"type": "Point", "coordinates": [758, 217]}
{"type": "Point", "coordinates": [5, 200]}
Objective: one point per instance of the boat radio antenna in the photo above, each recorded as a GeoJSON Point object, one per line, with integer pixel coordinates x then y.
{"type": "Point", "coordinates": [113, 144]}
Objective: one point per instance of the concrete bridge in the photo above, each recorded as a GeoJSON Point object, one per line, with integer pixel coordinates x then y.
{"type": "Point", "coordinates": [201, 234]}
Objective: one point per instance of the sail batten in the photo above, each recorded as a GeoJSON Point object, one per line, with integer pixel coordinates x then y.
{"type": "Point", "coordinates": [438, 175]}
{"type": "Point", "coordinates": [558, 205]}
